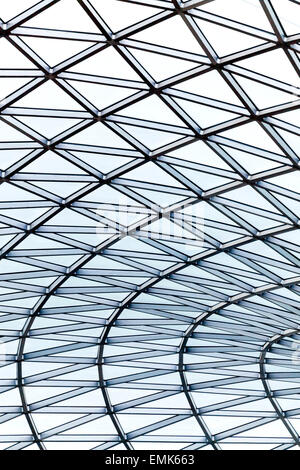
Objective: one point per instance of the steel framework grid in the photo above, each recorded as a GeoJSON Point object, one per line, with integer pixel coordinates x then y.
{"type": "Point", "coordinates": [123, 340]}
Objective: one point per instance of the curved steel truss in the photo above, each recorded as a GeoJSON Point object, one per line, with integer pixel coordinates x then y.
{"type": "Point", "coordinates": [149, 224]}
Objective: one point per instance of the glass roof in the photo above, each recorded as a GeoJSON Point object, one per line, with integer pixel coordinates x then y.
{"type": "Point", "coordinates": [149, 224]}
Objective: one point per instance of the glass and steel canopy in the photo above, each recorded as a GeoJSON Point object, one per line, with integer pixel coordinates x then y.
{"type": "Point", "coordinates": [149, 224]}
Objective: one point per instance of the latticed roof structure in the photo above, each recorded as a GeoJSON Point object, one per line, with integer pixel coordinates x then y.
{"type": "Point", "coordinates": [149, 224]}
